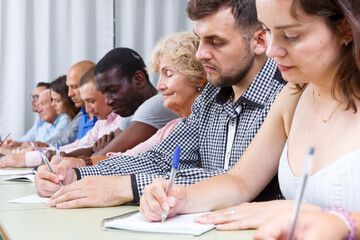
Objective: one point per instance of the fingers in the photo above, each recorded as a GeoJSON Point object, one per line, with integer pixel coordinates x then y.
{"type": "Point", "coordinates": [46, 182]}
{"type": "Point", "coordinates": [63, 171]}
{"type": "Point", "coordinates": [154, 200]}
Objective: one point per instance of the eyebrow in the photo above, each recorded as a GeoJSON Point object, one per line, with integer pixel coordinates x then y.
{"type": "Point", "coordinates": [282, 27]}
{"type": "Point", "coordinates": [210, 36]}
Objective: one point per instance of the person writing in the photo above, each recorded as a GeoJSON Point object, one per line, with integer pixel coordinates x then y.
{"type": "Point", "coordinates": [313, 43]}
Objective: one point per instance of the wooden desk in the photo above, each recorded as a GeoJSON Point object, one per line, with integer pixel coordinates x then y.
{"type": "Point", "coordinates": [36, 221]}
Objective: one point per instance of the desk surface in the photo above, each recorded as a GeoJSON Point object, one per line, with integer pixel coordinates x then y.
{"type": "Point", "coordinates": [36, 221]}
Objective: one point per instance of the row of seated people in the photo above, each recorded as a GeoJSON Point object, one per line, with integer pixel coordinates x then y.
{"type": "Point", "coordinates": [311, 50]}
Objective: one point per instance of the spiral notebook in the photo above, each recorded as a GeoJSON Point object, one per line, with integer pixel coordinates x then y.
{"type": "Point", "coordinates": [180, 224]}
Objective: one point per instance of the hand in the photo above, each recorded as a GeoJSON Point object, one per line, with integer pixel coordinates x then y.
{"type": "Point", "coordinates": [247, 215]}
{"type": "Point", "coordinates": [47, 183]}
{"type": "Point", "coordinates": [310, 225]}
{"type": "Point", "coordinates": [94, 191]}
{"type": "Point", "coordinates": [155, 200]}
{"type": "Point", "coordinates": [103, 141]}
{"type": "Point", "coordinates": [40, 144]}
{"type": "Point", "coordinates": [72, 161]}
{"type": "Point", "coordinates": [16, 160]}
{"type": "Point", "coordinates": [12, 144]}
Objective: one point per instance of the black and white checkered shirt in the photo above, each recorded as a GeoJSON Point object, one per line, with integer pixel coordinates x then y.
{"type": "Point", "coordinates": [202, 137]}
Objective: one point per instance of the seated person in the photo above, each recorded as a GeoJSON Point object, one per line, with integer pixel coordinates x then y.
{"type": "Point", "coordinates": [121, 76]}
{"type": "Point", "coordinates": [320, 111]}
{"type": "Point", "coordinates": [54, 107]}
{"type": "Point", "coordinates": [94, 104]}
{"type": "Point", "coordinates": [39, 129]}
{"type": "Point", "coordinates": [178, 83]}
{"type": "Point", "coordinates": [239, 100]}
{"type": "Point", "coordinates": [84, 121]}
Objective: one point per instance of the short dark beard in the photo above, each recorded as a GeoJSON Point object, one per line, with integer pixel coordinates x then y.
{"type": "Point", "coordinates": [227, 81]}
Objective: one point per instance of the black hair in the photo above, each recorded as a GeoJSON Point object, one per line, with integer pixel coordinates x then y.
{"type": "Point", "coordinates": [125, 60]}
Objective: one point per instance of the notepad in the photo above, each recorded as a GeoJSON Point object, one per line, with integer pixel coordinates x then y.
{"type": "Point", "coordinates": [21, 178]}
{"type": "Point", "coordinates": [180, 224]}
{"type": "Point", "coordinates": [4, 172]}
{"type": "Point", "coordinates": [34, 198]}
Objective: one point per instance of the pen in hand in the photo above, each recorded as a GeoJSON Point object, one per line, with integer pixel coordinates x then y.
{"type": "Point", "coordinates": [46, 160]}
{"type": "Point", "coordinates": [57, 153]}
{"type": "Point", "coordinates": [174, 168]}
{"type": "Point", "coordinates": [307, 165]}
{"type": "Point", "coordinates": [33, 145]}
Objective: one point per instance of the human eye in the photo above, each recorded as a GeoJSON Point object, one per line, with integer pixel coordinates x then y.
{"type": "Point", "coordinates": [290, 37]}
{"type": "Point", "coordinates": [169, 73]}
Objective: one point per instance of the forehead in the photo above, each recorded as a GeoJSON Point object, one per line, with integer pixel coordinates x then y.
{"type": "Point", "coordinates": [266, 10]}
{"type": "Point", "coordinates": [220, 24]}
{"type": "Point", "coordinates": [88, 90]}
{"type": "Point", "coordinates": [54, 94]}
{"type": "Point", "coordinates": [38, 90]}
{"type": "Point", "coordinates": [44, 97]}
{"type": "Point", "coordinates": [110, 78]}
{"type": "Point", "coordinates": [73, 78]}
{"type": "Point", "coordinates": [166, 62]}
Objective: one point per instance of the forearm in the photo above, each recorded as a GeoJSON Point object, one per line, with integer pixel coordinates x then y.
{"type": "Point", "coordinates": [214, 193]}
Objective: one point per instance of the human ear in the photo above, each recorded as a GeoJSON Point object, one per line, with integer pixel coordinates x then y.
{"type": "Point", "coordinates": [346, 31]}
{"type": "Point", "coordinates": [139, 79]}
{"type": "Point", "coordinates": [259, 41]}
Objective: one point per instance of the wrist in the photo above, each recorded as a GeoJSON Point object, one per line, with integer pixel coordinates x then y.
{"type": "Point", "coordinates": [87, 160]}
{"type": "Point", "coordinates": [346, 218]}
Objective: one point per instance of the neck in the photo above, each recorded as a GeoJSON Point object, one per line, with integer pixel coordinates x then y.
{"type": "Point", "coordinates": [244, 83]}
{"type": "Point", "coordinates": [186, 110]}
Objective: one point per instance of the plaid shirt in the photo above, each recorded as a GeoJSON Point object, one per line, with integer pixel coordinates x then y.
{"type": "Point", "coordinates": [202, 137]}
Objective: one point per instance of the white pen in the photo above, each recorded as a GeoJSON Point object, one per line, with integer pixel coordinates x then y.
{"type": "Point", "coordinates": [33, 145]}
{"type": "Point", "coordinates": [174, 168]}
{"type": "Point", "coordinates": [57, 153]}
{"type": "Point", "coordinates": [46, 160]}
{"type": "Point", "coordinates": [307, 165]}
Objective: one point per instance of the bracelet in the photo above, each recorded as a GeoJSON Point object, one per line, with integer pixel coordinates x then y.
{"type": "Point", "coordinates": [88, 160]}
{"type": "Point", "coordinates": [346, 217]}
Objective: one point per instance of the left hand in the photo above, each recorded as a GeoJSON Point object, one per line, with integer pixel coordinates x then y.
{"type": "Point", "coordinates": [16, 160]}
{"type": "Point", "coordinates": [247, 215]}
{"type": "Point", "coordinates": [93, 191]}
{"type": "Point", "coordinates": [103, 141]}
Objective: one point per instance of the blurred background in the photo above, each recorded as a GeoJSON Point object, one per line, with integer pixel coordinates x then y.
{"type": "Point", "coordinates": [41, 39]}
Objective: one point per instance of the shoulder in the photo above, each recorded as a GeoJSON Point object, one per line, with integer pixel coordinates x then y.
{"type": "Point", "coordinates": [285, 104]}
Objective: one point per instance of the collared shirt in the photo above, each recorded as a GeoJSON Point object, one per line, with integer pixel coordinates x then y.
{"type": "Point", "coordinates": [202, 137]}
{"type": "Point", "coordinates": [100, 128]}
{"type": "Point", "coordinates": [38, 132]}
{"type": "Point", "coordinates": [69, 134]}
{"type": "Point", "coordinates": [57, 128]}
{"type": "Point", "coordinates": [85, 124]}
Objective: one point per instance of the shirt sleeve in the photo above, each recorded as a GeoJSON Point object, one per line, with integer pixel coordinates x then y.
{"type": "Point", "coordinates": [157, 160]}
{"type": "Point", "coordinates": [153, 113]}
{"type": "Point", "coordinates": [54, 135]}
{"type": "Point", "coordinates": [70, 132]}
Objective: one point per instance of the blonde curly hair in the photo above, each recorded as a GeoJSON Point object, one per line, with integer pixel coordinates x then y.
{"type": "Point", "coordinates": [181, 49]}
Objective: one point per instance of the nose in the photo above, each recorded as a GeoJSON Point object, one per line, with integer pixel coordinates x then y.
{"type": "Point", "coordinates": [53, 103]}
{"type": "Point", "coordinates": [203, 52]}
{"type": "Point", "coordinates": [108, 99]}
{"type": "Point", "coordinates": [274, 47]}
{"type": "Point", "coordinates": [88, 108]}
{"type": "Point", "coordinates": [161, 85]}
{"type": "Point", "coordinates": [71, 92]}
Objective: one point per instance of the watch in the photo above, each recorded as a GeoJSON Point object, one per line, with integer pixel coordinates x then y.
{"type": "Point", "coordinates": [88, 161]}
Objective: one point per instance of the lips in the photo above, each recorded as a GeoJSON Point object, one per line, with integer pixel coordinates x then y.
{"type": "Point", "coordinates": [283, 68]}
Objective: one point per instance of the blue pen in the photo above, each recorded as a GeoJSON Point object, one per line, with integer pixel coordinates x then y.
{"type": "Point", "coordinates": [57, 153]}
{"type": "Point", "coordinates": [46, 160]}
{"type": "Point", "coordinates": [174, 168]}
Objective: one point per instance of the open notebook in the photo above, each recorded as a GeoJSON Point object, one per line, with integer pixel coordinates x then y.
{"type": "Point", "coordinates": [180, 224]}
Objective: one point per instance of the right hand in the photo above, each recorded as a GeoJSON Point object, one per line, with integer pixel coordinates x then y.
{"type": "Point", "coordinates": [72, 161]}
{"type": "Point", "coordinates": [155, 200]}
{"type": "Point", "coordinates": [47, 183]}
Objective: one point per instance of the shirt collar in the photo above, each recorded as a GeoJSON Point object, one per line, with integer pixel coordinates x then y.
{"type": "Point", "coordinates": [258, 91]}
